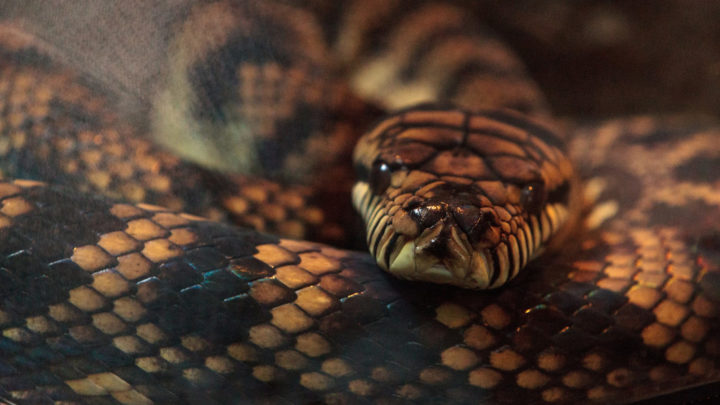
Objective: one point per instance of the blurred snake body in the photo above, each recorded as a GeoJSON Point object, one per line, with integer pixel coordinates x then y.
{"type": "Point", "coordinates": [551, 262]}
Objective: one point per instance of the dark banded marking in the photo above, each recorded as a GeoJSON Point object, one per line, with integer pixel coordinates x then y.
{"type": "Point", "coordinates": [416, 48]}
{"type": "Point", "coordinates": [377, 236]}
{"type": "Point", "coordinates": [519, 121]}
{"type": "Point", "coordinates": [495, 268]}
{"type": "Point", "coordinates": [381, 244]}
{"type": "Point", "coordinates": [382, 222]}
{"type": "Point", "coordinates": [374, 219]}
{"type": "Point", "coordinates": [463, 73]}
{"type": "Point", "coordinates": [390, 248]}
{"type": "Point", "coordinates": [434, 18]}
{"type": "Point", "coordinates": [438, 43]}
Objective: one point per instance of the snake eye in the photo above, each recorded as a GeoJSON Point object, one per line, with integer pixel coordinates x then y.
{"type": "Point", "coordinates": [379, 177]}
{"type": "Point", "coordinates": [533, 197]}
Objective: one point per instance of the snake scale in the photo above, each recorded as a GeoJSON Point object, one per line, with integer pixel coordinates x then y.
{"type": "Point", "coordinates": [111, 295]}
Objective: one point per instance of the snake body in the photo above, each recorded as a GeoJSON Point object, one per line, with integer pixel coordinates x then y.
{"type": "Point", "coordinates": [136, 303]}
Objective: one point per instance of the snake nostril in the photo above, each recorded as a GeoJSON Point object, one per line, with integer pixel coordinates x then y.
{"type": "Point", "coordinates": [472, 221]}
{"type": "Point", "coordinates": [428, 215]}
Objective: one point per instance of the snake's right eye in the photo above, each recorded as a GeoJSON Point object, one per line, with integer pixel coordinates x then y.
{"type": "Point", "coordinates": [379, 177]}
{"type": "Point", "coordinates": [533, 197]}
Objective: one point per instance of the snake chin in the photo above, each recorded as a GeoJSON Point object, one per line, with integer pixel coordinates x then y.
{"type": "Point", "coordinates": [441, 255]}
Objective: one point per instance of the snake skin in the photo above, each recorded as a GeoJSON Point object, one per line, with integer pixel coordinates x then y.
{"type": "Point", "coordinates": [107, 302]}
{"type": "Point", "coordinates": [72, 138]}
{"type": "Point", "coordinates": [143, 305]}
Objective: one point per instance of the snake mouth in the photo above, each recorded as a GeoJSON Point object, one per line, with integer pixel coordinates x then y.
{"type": "Point", "coordinates": [448, 253]}
{"type": "Point", "coordinates": [439, 255]}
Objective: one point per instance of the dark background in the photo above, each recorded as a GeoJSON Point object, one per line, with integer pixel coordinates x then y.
{"type": "Point", "coordinates": [605, 58]}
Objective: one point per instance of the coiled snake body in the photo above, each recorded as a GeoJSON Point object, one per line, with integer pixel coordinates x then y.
{"type": "Point", "coordinates": [108, 302]}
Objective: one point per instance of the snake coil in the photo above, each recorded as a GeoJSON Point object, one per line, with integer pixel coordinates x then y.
{"type": "Point", "coordinates": [111, 294]}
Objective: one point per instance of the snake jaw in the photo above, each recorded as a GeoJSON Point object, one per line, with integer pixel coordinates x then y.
{"type": "Point", "coordinates": [443, 254]}
{"type": "Point", "coordinates": [418, 258]}
{"type": "Point", "coordinates": [461, 265]}
{"type": "Point", "coordinates": [480, 270]}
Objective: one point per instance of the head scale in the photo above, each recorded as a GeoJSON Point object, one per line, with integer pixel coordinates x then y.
{"type": "Point", "coordinates": [461, 198]}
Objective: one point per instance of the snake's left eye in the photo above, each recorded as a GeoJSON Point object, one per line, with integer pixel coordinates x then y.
{"type": "Point", "coordinates": [533, 196]}
{"type": "Point", "coordinates": [379, 177]}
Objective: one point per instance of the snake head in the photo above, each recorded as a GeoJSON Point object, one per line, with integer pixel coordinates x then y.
{"type": "Point", "coordinates": [461, 198]}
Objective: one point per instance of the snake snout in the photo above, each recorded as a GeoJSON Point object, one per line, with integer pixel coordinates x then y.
{"type": "Point", "coordinates": [445, 235]}
{"type": "Point", "coordinates": [426, 215]}
{"type": "Point", "coordinates": [476, 223]}
{"type": "Point", "coordinates": [458, 207]}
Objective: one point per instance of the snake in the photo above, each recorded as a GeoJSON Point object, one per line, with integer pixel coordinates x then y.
{"type": "Point", "coordinates": [515, 257]}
